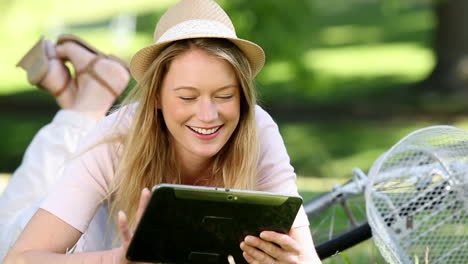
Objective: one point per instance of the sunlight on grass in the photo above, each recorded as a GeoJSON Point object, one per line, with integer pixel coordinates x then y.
{"type": "Point", "coordinates": [311, 184]}
{"type": "Point", "coordinates": [410, 22]}
{"type": "Point", "coordinates": [344, 166]}
{"type": "Point", "coordinates": [348, 34]}
{"type": "Point", "coordinates": [408, 62]}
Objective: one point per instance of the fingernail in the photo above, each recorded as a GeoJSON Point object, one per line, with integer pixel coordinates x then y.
{"type": "Point", "coordinates": [145, 190]}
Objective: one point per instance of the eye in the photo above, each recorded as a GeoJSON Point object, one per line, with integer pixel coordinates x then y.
{"type": "Point", "coordinates": [226, 97]}
{"type": "Point", "coordinates": [187, 98]}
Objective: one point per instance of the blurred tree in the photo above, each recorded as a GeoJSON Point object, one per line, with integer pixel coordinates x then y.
{"type": "Point", "coordinates": [450, 74]}
{"type": "Point", "coordinates": [284, 30]}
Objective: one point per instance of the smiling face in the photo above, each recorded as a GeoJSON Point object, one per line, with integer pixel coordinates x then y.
{"type": "Point", "coordinates": [200, 103]}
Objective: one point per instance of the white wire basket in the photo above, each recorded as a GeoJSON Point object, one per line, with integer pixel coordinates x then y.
{"type": "Point", "coordinates": [417, 198]}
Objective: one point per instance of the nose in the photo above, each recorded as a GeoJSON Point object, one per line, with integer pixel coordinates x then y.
{"type": "Point", "coordinates": [207, 110]}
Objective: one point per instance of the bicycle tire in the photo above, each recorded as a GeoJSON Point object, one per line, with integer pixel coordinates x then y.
{"type": "Point", "coordinates": [344, 241]}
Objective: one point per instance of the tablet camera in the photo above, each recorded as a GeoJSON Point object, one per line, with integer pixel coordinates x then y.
{"type": "Point", "coordinates": [231, 197]}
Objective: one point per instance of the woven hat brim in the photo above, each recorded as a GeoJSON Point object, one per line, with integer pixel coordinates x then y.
{"type": "Point", "coordinates": [142, 60]}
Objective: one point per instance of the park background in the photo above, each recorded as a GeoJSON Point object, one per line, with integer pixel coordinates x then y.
{"type": "Point", "coordinates": [344, 79]}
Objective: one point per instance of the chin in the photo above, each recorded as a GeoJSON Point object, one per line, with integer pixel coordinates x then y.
{"type": "Point", "coordinates": [208, 153]}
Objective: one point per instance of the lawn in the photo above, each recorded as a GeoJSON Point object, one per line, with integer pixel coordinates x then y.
{"type": "Point", "coordinates": [336, 78]}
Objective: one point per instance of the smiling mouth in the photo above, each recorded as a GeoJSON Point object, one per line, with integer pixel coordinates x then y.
{"type": "Point", "coordinates": [204, 131]}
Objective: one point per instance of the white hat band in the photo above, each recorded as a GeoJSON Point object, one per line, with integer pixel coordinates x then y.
{"type": "Point", "coordinates": [196, 27]}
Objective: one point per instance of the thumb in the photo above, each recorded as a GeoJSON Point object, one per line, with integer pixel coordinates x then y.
{"type": "Point", "coordinates": [144, 199]}
{"type": "Point", "coordinates": [124, 229]}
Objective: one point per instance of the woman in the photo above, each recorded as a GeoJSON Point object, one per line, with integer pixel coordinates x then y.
{"type": "Point", "coordinates": [191, 120]}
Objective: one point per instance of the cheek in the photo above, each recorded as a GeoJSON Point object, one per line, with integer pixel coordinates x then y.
{"type": "Point", "coordinates": [176, 114]}
{"type": "Point", "coordinates": [232, 112]}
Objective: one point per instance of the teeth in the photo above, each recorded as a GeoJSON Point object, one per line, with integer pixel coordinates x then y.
{"type": "Point", "coordinates": [204, 131]}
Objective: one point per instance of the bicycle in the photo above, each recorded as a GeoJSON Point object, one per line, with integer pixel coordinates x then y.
{"type": "Point", "coordinates": [416, 199]}
{"type": "Point", "coordinates": [329, 244]}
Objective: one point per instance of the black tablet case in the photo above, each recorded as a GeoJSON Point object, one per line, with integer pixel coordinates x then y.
{"type": "Point", "coordinates": [188, 224]}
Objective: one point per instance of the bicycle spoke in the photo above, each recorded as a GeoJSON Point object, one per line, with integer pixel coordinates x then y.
{"type": "Point", "coordinates": [332, 223]}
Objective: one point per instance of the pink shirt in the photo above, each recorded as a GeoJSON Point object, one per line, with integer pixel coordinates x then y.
{"type": "Point", "coordinates": [77, 196]}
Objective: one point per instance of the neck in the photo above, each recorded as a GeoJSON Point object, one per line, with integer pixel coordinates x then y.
{"type": "Point", "coordinates": [194, 170]}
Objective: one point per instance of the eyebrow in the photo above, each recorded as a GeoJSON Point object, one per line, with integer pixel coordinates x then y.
{"type": "Point", "coordinates": [195, 88]}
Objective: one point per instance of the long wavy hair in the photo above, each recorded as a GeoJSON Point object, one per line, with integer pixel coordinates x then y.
{"type": "Point", "coordinates": [146, 153]}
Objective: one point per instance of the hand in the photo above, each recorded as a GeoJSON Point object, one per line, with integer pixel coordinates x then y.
{"type": "Point", "coordinates": [125, 231]}
{"type": "Point", "coordinates": [271, 248]}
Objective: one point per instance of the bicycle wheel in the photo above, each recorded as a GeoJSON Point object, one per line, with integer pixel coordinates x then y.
{"type": "Point", "coordinates": [338, 218]}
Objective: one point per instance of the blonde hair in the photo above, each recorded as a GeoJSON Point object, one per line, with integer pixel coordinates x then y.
{"type": "Point", "coordinates": [146, 154]}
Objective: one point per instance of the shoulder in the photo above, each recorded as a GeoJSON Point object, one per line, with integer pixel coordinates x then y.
{"type": "Point", "coordinates": [120, 119]}
{"type": "Point", "coordinates": [109, 129]}
{"type": "Point", "coordinates": [262, 118]}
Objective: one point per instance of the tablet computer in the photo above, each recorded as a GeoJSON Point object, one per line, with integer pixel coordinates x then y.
{"type": "Point", "coordinates": [193, 224]}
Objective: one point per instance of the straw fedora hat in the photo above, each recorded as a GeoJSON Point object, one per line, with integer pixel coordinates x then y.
{"type": "Point", "coordinates": [194, 19]}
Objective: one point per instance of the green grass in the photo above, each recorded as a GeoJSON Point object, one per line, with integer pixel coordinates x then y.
{"type": "Point", "coordinates": [343, 55]}
{"type": "Point", "coordinates": [333, 149]}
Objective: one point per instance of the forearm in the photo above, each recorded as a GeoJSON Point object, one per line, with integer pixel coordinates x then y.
{"type": "Point", "coordinates": [33, 256]}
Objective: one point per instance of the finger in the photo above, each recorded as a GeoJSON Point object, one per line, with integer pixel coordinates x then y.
{"type": "Point", "coordinates": [256, 254]}
{"type": "Point", "coordinates": [266, 246]}
{"type": "Point", "coordinates": [231, 260]}
{"type": "Point", "coordinates": [124, 228]}
{"type": "Point", "coordinates": [284, 241]}
{"type": "Point", "coordinates": [247, 257]}
{"type": "Point", "coordinates": [144, 199]}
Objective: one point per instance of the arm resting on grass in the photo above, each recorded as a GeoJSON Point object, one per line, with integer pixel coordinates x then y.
{"type": "Point", "coordinates": [46, 239]}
